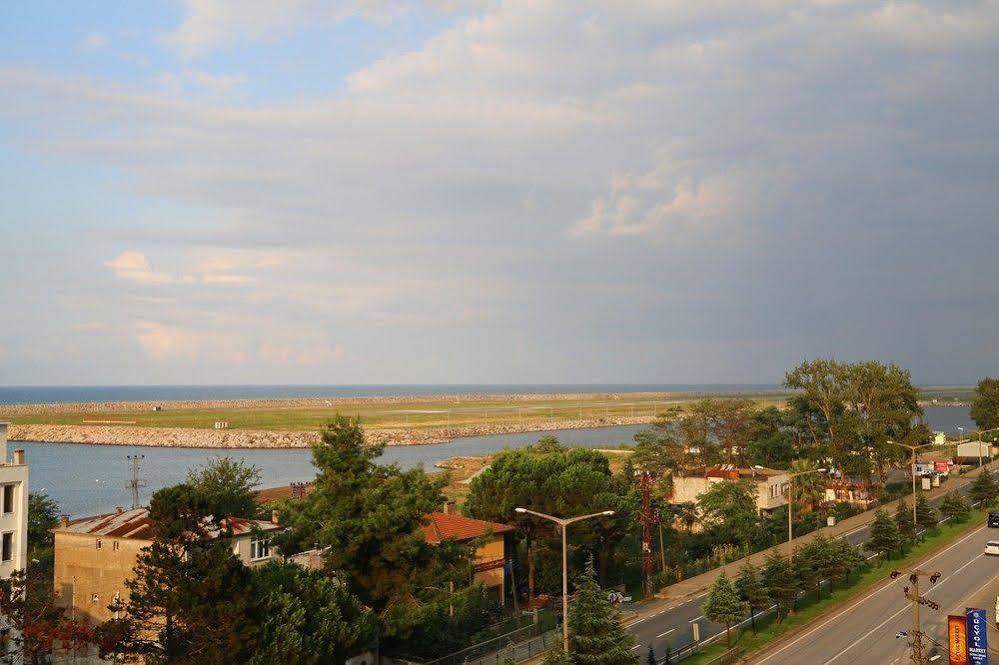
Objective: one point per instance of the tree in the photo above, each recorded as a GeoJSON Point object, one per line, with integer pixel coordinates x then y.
{"type": "Point", "coordinates": [596, 636]}
{"type": "Point", "coordinates": [885, 537]}
{"type": "Point", "coordinates": [187, 604]}
{"type": "Point", "coordinates": [850, 413]}
{"type": "Point", "coordinates": [226, 486]}
{"type": "Point", "coordinates": [577, 482]}
{"type": "Point", "coordinates": [926, 516]}
{"type": "Point", "coordinates": [809, 487]}
{"type": "Point", "coordinates": [26, 605]}
{"type": "Point", "coordinates": [903, 520]}
{"type": "Point", "coordinates": [984, 489]}
{"type": "Point", "coordinates": [668, 656]}
{"type": "Point", "coordinates": [954, 507]}
{"type": "Point", "coordinates": [548, 444]}
{"type": "Point", "coordinates": [780, 582]}
{"type": "Point", "coordinates": [369, 517]}
{"type": "Point", "coordinates": [771, 439]}
{"type": "Point", "coordinates": [650, 659]}
{"type": "Point", "coordinates": [724, 606]}
{"type": "Point", "coordinates": [43, 515]}
{"type": "Point", "coordinates": [307, 617]}
{"type": "Point", "coordinates": [752, 591]}
{"type": "Point", "coordinates": [985, 405]}
{"type": "Point", "coordinates": [731, 506]}
{"type": "Point", "coordinates": [556, 655]}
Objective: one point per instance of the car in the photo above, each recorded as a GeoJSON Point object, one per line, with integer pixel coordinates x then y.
{"type": "Point", "coordinates": [993, 519]}
{"type": "Point", "coordinates": [992, 547]}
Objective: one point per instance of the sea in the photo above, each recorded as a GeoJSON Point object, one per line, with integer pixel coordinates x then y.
{"type": "Point", "coordinates": [90, 479]}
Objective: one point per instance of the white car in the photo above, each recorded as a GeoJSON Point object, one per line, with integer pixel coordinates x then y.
{"type": "Point", "coordinates": [992, 547]}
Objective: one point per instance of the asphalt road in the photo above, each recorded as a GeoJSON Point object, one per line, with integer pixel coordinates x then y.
{"type": "Point", "coordinates": [863, 632]}
{"type": "Point", "coordinates": [672, 622]}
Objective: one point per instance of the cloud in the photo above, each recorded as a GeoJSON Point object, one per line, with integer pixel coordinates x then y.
{"type": "Point", "coordinates": [134, 266]}
{"type": "Point", "coordinates": [421, 206]}
{"type": "Point", "coordinates": [219, 345]}
{"type": "Point", "coordinates": [210, 24]}
{"type": "Point", "coordinates": [95, 41]}
{"type": "Point", "coordinates": [661, 202]}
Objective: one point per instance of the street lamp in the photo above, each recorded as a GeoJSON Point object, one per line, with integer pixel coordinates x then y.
{"type": "Point", "coordinates": [563, 524]}
{"type": "Point", "coordinates": [790, 498]}
{"type": "Point", "coordinates": [912, 472]}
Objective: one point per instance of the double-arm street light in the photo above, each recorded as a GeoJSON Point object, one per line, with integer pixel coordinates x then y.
{"type": "Point", "coordinates": [913, 473]}
{"type": "Point", "coordinates": [563, 524]}
{"type": "Point", "coordinates": [790, 498]}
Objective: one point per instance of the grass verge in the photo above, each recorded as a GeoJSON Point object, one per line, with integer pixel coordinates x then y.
{"type": "Point", "coordinates": [810, 609]}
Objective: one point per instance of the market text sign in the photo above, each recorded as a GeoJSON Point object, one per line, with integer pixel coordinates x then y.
{"type": "Point", "coordinates": [978, 641]}
{"type": "Point", "coordinates": [957, 639]}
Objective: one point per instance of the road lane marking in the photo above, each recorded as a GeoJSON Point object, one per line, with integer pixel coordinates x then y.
{"type": "Point", "coordinates": [665, 634]}
{"type": "Point", "coordinates": [696, 619]}
{"type": "Point", "coordinates": [893, 616]}
{"type": "Point", "coordinates": [862, 600]}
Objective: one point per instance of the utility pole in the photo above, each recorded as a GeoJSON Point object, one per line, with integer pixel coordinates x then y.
{"type": "Point", "coordinates": [135, 483]}
{"type": "Point", "coordinates": [648, 520]}
{"type": "Point", "coordinates": [917, 654]}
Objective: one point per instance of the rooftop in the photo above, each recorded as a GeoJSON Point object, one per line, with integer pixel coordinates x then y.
{"type": "Point", "coordinates": [446, 526]}
{"type": "Point", "coordinates": [136, 524]}
{"type": "Point", "coordinates": [733, 472]}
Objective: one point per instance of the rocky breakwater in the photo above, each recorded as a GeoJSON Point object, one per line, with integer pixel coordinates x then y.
{"type": "Point", "coordinates": [178, 437]}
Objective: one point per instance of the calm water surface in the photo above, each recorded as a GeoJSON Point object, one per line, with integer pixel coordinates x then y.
{"type": "Point", "coordinates": [87, 479]}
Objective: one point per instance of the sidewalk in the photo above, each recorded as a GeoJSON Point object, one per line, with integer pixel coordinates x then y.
{"type": "Point", "coordinates": [699, 584]}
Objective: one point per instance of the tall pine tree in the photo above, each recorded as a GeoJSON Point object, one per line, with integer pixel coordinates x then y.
{"type": "Point", "coordinates": [596, 636]}
{"type": "Point", "coordinates": [723, 606]}
{"type": "Point", "coordinates": [885, 537]}
{"type": "Point", "coordinates": [751, 590]}
{"type": "Point", "coordinates": [926, 515]}
{"type": "Point", "coordinates": [984, 489]}
{"type": "Point", "coordinates": [903, 520]}
{"type": "Point", "coordinates": [780, 582]}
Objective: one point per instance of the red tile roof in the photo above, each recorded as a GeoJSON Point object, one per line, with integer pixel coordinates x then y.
{"type": "Point", "coordinates": [444, 526]}
{"type": "Point", "coordinates": [135, 523]}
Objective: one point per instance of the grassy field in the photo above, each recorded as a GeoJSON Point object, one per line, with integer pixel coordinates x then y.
{"type": "Point", "coordinates": [412, 414]}
{"type": "Point", "coordinates": [810, 609]}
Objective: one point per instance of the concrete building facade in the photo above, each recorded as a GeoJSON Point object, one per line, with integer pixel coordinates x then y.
{"type": "Point", "coordinates": [13, 521]}
{"type": "Point", "coordinates": [770, 484]}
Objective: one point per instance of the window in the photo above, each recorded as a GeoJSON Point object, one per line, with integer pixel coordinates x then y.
{"type": "Point", "coordinates": [114, 545]}
{"type": "Point", "coordinates": [98, 543]}
{"type": "Point", "coordinates": [7, 549]}
{"type": "Point", "coordinates": [260, 548]}
{"type": "Point", "coordinates": [8, 499]}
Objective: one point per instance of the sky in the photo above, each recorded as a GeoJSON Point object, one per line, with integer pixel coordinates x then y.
{"type": "Point", "coordinates": [507, 191]}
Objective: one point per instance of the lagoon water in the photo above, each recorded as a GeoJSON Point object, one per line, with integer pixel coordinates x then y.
{"type": "Point", "coordinates": [88, 479]}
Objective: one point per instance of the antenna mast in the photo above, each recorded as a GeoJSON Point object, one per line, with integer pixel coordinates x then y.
{"type": "Point", "coordinates": [135, 483]}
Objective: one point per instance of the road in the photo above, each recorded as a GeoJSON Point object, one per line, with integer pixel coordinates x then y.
{"type": "Point", "coordinates": [863, 632]}
{"type": "Point", "coordinates": [671, 623]}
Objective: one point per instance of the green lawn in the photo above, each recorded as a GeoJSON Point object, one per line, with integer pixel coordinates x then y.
{"type": "Point", "coordinates": [809, 609]}
{"type": "Point", "coordinates": [416, 413]}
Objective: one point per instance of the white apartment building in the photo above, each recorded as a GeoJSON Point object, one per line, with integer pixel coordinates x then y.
{"type": "Point", "coordinates": [13, 519]}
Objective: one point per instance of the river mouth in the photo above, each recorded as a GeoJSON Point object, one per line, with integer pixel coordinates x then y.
{"type": "Point", "coordinates": [88, 479]}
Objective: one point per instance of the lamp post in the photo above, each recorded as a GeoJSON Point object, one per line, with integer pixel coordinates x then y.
{"type": "Point", "coordinates": [912, 472]}
{"type": "Point", "coordinates": [790, 499]}
{"type": "Point", "coordinates": [563, 524]}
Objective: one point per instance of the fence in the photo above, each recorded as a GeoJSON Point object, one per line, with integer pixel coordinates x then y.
{"type": "Point", "coordinates": [517, 645]}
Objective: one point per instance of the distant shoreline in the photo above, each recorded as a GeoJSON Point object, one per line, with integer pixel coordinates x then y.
{"type": "Point", "coordinates": [162, 437]}
{"type": "Point", "coordinates": [468, 415]}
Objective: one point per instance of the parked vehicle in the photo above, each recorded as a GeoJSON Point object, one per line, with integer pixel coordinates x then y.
{"type": "Point", "coordinates": [994, 519]}
{"type": "Point", "coordinates": [992, 547]}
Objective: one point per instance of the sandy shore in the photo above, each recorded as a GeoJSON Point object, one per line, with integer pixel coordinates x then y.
{"type": "Point", "coordinates": [177, 437]}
